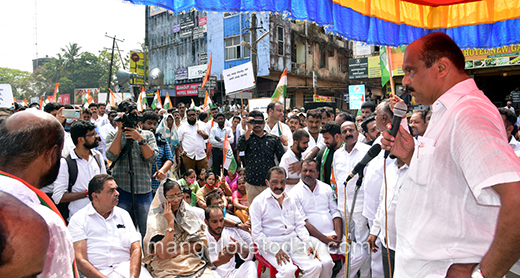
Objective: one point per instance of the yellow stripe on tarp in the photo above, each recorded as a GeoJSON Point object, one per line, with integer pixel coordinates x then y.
{"type": "Point", "coordinates": [401, 12]}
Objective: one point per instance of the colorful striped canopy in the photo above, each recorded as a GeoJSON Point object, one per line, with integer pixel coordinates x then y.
{"type": "Point", "coordinates": [472, 24]}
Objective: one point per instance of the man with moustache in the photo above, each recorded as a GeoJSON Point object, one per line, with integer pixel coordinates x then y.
{"type": "Point", "coordinates": [30, 151]}
{"type": "Point", "coordinates": [88, 163]}
{"type": "Point", "coordinates": [418, 123]}
{"type": "Point", "coordinates": [191, 137]}
{"type": "Point", "coordinates": [316, 142]}
{"type": "Point", "coordinates": [278, 229]}
{"type": "Point", "coordinates": [457, 214]}
{"type": "Point", "coordinates": [216, 138]}
{"type": "Point", "coordinates": [332, 137]}
{"type": "Point", "coordinates": [106, 243]}
{"type": "Point", "coordinates": [345, 159]}
{"type": "Point", "coordinates": [294, 123]}
{"type": "Point", "coordinates": [293, 155]}
{"type": "Point", "coordinates": [276, 126]}
{"type": "Point", "coordinates": [224, 243]}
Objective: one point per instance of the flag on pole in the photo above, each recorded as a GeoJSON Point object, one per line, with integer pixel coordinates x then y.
{"type": "Point", "coordinates": [41, 103]}
{"type": "Point", "coordinates": [385, 65]}
{"type": "Point", "coordinates": [192, 105]}
{"type": "Point", "coordinates": [229, 162]}
{"type": "Point", "coordinates": [167, 103]}
{"type": "Point", "coordinates": [156, 103]}
{"type": "Point", "coordinates": [114, 99]}
{"type": "Point", "coordinates": [87, 99]}
{"type": "Point", "coordinates": [281, 89]}
{"type": "Point", "coordinates": [25, 102]}
{"type": "Point", "coordinates": [208, 72]}
{"type": "Point", "coordinates": [141, 101]}
{"type": "Point", "coordinates": [56, 92]}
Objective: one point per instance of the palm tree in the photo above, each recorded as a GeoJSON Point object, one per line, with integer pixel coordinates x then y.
{"type": "Point", "coordinates": [70, 53]}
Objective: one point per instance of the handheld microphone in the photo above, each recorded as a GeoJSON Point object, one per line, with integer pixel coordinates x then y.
{"type": "Point", "coordinates": [372, 152]}
{"type": "Point", "coordinates": [400, 110]}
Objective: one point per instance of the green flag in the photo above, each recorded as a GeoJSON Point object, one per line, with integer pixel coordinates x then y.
{"type": "Point", "coordinates": [385, 67]}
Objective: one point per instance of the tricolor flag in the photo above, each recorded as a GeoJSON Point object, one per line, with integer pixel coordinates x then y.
{"type": "Point", "coordinates": [156, 103]}
{"type": "Point", "coordinates": [386, 65]}
{"type": "Point", "coordinates": [56, 93]}
{"type": "Point", "coordinates": [114, 99]}
{"type": "Point", "coordinates": [229, 162]}
{"type": "Point", "coordinates": [167, 103]}
{"type": "Point", "coordinates": [141, 101]}
{"type": "Point", "coordinates": [281, 89]}
{"type": "Point", "coordinates": [192, 105]}
{"type": "Point", "coordinates": [87, 99]}
{"type": "Point", "coordinates": [208, 71]}
{"type": "Point", "coordinates": [25, 102]}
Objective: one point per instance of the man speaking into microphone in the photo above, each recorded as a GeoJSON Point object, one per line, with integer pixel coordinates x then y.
{"type": "Point", "coordinates": [457, 214]}
{"type": "Point", "coordinates": [345, 159]}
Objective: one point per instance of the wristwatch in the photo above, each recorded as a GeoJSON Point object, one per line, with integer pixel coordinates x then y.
{"type": "Point", "coordinates": [476, 272]}
{"type": "Point", "coordinates": [142, 142]}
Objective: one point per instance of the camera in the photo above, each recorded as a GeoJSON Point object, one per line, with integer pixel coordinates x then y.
{"type": "Point", "coordinates": [129, 119]}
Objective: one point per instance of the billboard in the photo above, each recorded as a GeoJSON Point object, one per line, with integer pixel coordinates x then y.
{"type": "Point", "coordinates": [79, 95]}
{"type": "Point", "coordinates": [485, 58]}
{"type": "Point", "coordinates": [186, 90]}
{"type": "Point", "coordinates": [356, 96]}
{"type": "Point", "coordinates": [137, 65]}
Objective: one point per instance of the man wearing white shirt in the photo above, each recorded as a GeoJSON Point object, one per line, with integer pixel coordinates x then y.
{"type": "Point", "coordinates": [105, 130]}
{"type": "Point", "coordinates": [95, 118]}
{"type": "Point", "coordinates": [509, 119]}
{"type": "Point", "coordinates": [316, 142]}
{"type": "Point", "coordinates": [101, 110]}
{"type": "Point", "coordinates": [192, 136]}
{"type": "Point", "coordinates": [509, 106]}
{"type": "Point", "coordinates": [323, 220]}
{"type": "Point", "coordinates": [89, 163]}
{"type": "Point", "coordinates": [223, 244]}
{"type": "Point", "coordinates": [457, 213]}
{"type": "Point", "coordinates": [274, 124]}
{"type": "Point", "coordinates": [395, 176]}
{"type": "Point", "coordinates": [106, 242]}
{"type": "Point", "coordinates": [345, 159]}
{"type": "Point", "coordinates": [216, 137]}
{"type": "Point", "coordinates": [293, 155]}
{"type": "Point", "coordinates": [278, 229]}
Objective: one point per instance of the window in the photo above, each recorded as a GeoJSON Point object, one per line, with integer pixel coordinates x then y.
{"type": "Point", "coordinates": [232, 48]}
{"type": "Point", "coordinates": [230, 14]}
{"type": "Point", "coordinates": [247, 38]}
{"type": "Point", "coordinates": [280, 41]}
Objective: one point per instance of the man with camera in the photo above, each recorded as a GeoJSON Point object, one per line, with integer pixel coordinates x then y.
{"type": "Point", "coordinates": [135, 160]}
{"type": "Point", "coordinates": [165, 159]}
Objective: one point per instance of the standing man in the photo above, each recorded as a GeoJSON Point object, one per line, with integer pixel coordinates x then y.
{"type": "Point", "coordinates": [106, 243]}
{"type": "Point", "coordinates": [515, 97]}
{"type": "Point", "coordinates": [509, 106]}
{"type": "Point", "coordinates": [457, 210]}
{"type": "Point", "coordinates": [332, 137]}
{"type": "Point", "coordinates": [316, 142]}
{"type": "Point", "coordinates": [293, 155]}
{"type": "Point", "coordinates": [95, 118]}
{"type": "Point", "coordinates": [105, 130]}
{"type": "Point", "coordinates": [278, 229]}
{"type": "Point", "coordinates": [102, 107]}
{"type": "Point", "coordinates": [418, 123]}
{"type": "Point", "coordinates": [84, 162]}
{"type": "Point", "coordinates": [216, 138]}
{"type": "Point", "coordinates": [144, 154]}
{"type": "Point", "coordinates": [370, 129]}
{"type": "Point", "coordinates": [294, 123]}
{"type": "Point", "coordinates": [182, 112]}
{"type": "Point", "coordinates": [275, 125]}
{"type": "Point", "coordinates": [367, 108]}
{"type": "Point", "coordinates": [260, 150]}
{"type": "Point", "coordinates": [192, 136]}
{"type": "Point", "coordinates": [509, 119]}
{"type": "Point", "coordinates": [30, 152]}
{"type": "Point", "coordinates": [224, 243]}
{"type": "Point", "coordinates": [344, 161]}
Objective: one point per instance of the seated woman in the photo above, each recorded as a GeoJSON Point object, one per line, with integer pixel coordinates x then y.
{"type": "Point", "coordinates": [213, 184]}
{"type": "Point", "coordinates": [240, 200]}
{"type": "Point", "coordinates": [201, 177]}
{"type": "Point", "coordinates": [175, 237]}
{"type": "Point", "coordinates": [189, 180]}
{"type": "Point", "coordinates": [231, 180]}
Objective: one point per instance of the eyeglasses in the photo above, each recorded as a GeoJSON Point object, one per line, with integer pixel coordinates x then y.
{"type": "Point", "coordinates": [178, 196]}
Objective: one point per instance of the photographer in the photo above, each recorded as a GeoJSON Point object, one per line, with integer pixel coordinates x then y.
{"type": "Point", "coordinates": [165, 159]}
{"type": "Point", "coordinates": [144, 153]}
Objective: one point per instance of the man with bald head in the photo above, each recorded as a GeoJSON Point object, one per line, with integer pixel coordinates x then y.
{"type": "Point", "coordinates": [24, 239]}
{"type": "Point", "coordinates": [30, 149]}
{"type": "Point", "coordinates": [457, 214]}
{"type": "Point", "coordinates": [343, 163]}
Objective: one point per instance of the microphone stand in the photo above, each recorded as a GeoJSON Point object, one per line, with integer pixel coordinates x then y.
{"type": "Point", "coordinates": [131, 173]}
{"type": "Point", "coordinates": [349, 239]}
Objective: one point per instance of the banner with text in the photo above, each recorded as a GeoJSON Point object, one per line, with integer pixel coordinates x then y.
{"type": "Point", "coordinates": [186, 90]}
{"type": "Point", "coordinates": [6, 95]}
{"type": "Point", "coordinates": [197, 71]}
{"type": "Point", "coordinates": [356, 96]}
{"type": "Point", "coordinates": [239, 78]}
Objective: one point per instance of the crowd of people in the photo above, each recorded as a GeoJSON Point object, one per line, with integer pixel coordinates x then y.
{"type": "Point", "coordinates": [128, 193]}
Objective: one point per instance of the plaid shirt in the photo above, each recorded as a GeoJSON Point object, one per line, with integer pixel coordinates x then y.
{"type": "Point", "coordinates": [142, 167]}
{"type": "Point", "coordinates": [165, 154]}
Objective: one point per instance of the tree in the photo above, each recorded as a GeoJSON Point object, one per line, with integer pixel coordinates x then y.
{"type": "Point", "coordinates": [71, 53]}
{"type": "Point", "coordinates": [104, 62]}
{"type": "Point", "coordinates": [88, 71]}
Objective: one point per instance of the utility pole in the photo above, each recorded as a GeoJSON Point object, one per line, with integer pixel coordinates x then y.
{"type": "Point", "coordinates": [111, 62]}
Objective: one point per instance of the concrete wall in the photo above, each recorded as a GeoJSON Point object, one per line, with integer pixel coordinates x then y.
{"type": "Point", "coordinates": [216, 43]}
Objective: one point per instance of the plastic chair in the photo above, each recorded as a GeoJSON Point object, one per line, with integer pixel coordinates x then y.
{"type": "Point", "coordinates": [337, 257]}
{"type": "Point", "coordinates": [272, 270]}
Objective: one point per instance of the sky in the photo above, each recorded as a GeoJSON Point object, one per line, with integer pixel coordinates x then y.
{"type": "Point", "coordinates": [60, 22]}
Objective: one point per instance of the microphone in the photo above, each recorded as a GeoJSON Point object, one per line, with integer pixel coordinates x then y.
{"type": "Point", "coordinates": [400, 110]}
{"type": "Point", "coordinates": [372, 152]}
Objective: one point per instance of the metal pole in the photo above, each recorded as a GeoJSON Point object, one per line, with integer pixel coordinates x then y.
{"type": "Point", "coordinates": [110, 69]}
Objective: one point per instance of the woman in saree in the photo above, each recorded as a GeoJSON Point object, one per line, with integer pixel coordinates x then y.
{"type": "Point", "coordinates": [175, 243]}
